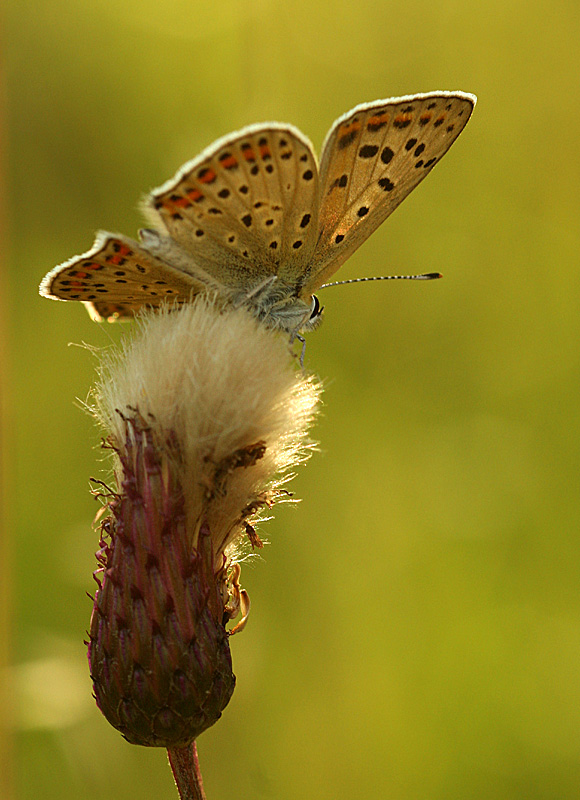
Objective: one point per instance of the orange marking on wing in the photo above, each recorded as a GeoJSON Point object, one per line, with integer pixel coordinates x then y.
{"type": "Point", "coordinates": [88, 265]}
{"type": "Point", "coordinates": [118, 258]}
{"type": "Point", "coordinates": [400, 119]}
{"type": "Point", "coordinates": [194, 194]}
{"type": "Point", "coordinates": [265, 151]}
{"type": "Point", "coordinates": [207, 176]}
{"type": "Point", "coordinates": [346, 129]}
{"type": "Point", "coordinates": [229, 162]}
{"type": "Point", "coordinates": [424, 118]}
{"type": "Point", "coordinates": [248, 153]}
{"type": "Point", "coordinates": [183, 202]}
{"type": "Point", "coordinates": [378, 119]}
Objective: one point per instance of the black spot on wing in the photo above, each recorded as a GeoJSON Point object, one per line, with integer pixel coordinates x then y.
{"type": "Point", "coordinates": [386, 155]}
{"type": "Point", "coordinates": [368, 151]}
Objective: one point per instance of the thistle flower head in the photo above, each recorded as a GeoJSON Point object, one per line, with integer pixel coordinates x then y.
{"type": "Point", "coordinates": [206, 414]}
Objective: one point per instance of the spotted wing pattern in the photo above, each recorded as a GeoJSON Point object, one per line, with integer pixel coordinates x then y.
{"type": "Point", "coordinates": [372, 158]}
{"type": "Point", "coordinates": [245, 209]}
{"type": "Point", "coordinates": [116, 278]}
{"type": "Point", "coordinates": [254, 207]}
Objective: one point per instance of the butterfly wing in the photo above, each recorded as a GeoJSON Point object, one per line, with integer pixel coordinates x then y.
{"type": "Point", "coordinates": [116, 278]}
{"type": "Point", "coordinates": [245, 209]}
{"type": "Point", "coordinates": [371, 159]}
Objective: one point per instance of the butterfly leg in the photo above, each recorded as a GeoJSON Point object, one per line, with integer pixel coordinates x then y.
{"type": "Point", "coordinates": [257, 290]}
{"type": "Point", "coordinates": [261, 287]}
{"type": "Point", "coordinates": [303, 349]}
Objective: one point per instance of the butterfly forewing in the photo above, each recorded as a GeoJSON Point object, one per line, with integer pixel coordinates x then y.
{"type": "Point", "coordinates": [372, 158]}
{"type": "Point", "coordinates": [245, 208]}
{"type": "Point", "coordinates": [116, 278]}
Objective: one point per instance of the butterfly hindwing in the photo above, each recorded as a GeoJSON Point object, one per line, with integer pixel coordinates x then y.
{"type": "Point", "coordinates": [117, 277]}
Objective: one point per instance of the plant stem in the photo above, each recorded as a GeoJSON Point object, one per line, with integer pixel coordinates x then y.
{"type": "Point", "coordinates": [185, 767]}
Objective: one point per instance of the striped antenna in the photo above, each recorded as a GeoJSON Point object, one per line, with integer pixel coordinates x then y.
{"type": "Point", "coordinates": [427, 276]}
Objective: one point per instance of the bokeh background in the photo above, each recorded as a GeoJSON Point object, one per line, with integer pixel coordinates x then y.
{"type": "Point", "coordinates": [415, 630]}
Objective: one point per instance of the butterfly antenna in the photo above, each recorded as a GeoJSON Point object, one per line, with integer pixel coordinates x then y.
{"type": "Point", "coordinates": [427, 276]}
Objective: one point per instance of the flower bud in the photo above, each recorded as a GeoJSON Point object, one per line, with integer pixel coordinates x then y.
{"type": "Point", "coordinates": [205, 413]}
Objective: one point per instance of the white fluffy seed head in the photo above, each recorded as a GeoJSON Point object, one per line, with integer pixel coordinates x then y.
{"type": "Point", "coordinates": [219, 384]}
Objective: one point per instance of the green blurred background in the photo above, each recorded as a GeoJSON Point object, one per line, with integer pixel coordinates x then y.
{"type": "Point", "coordinates": [415, 630]}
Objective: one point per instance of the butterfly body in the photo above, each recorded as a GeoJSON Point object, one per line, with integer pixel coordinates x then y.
{"type": "Point", "coordinates": [257, 221]}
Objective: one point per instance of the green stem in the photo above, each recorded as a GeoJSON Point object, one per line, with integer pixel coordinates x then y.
{"type": "Point", "coordinates": [185, 767]}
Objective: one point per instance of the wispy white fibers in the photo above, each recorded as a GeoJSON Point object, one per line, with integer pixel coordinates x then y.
{"type": "Point", "coordinates": [229, 394]}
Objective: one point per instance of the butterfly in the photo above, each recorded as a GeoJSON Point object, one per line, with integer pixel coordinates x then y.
{"type": "Point", "coordinates": [256, 220]}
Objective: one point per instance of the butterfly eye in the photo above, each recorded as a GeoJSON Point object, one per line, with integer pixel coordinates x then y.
{"type": "Point", "coordinates": [316, 309]}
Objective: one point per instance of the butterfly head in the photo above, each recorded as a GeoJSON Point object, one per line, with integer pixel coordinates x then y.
{"type": "Point", "coordinates": [280, 308]}
{"type": "Point", "coordinates": [315, 315]}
